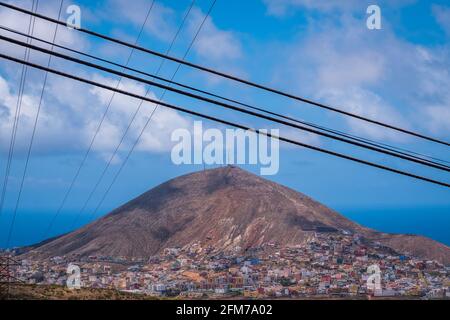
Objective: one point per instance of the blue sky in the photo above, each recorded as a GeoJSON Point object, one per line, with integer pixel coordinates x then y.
{"type": "Point", "coordinates": [317, 49]}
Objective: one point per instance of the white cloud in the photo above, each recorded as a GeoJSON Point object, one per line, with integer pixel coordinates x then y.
{"type": "Point", "coordinates": [442, 15]}
{"type": "Point", "coordinates": [365, 103]}
{"type": "Point", "coordinates": [49, 139]}
{"type": "Point", "coordinates": [71, 113]}
{"type": "Point", "coordinates": [341, 66]}
{"type": "Point", "coordinates": [42, 29]}
{"type": "Point", "coordinates": [374, 74]}
{"type": "Point", "coordinates": [161, 22]}
{"type": "Point", "coordinates": [438, 118]}
{"type": "Point", "coordinates": [432, 80]}
{"type": "Point", "coordinates": [282, 7]}
{"type": "Point", "coordinates": [163, 123]}
{"type": "Point", "coordinates": [214, 47]}
{"type": "Point", "coordinates": [299, 136]}
{"type": "Point", "coordinates": [213, 43]}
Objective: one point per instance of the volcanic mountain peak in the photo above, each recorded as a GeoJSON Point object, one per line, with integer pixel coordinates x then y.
{"type": "Point", "coordinates": [225, 207]}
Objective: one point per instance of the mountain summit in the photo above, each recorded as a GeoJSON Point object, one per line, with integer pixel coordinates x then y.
{"type": "Point", "coordinates": [226, 208]}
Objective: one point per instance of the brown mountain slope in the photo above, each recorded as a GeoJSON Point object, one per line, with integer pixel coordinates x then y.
{"type": "Point", "coordinates": [415, 245]}
{"type": "Point", "coordinates": [225, 207]}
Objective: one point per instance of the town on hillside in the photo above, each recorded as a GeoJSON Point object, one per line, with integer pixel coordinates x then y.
{"type": "Point", "coordinates": [327, 265]}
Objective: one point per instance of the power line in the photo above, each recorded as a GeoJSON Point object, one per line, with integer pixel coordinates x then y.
{"type": "Point", "coordinates": [17, 113]}
{"type": "Point", "coordinates": [235, 108]}
{"type": "Point", "coordinates": [198, 114]}
{"type": "Point", "coordinates": [72, 184]}
{"type": "Point", "coordinates": [213, 3]}
{"type": "Point", "coordinates": [234, 78]}
{"type": "Point", "coordinates": [133, 118]}
{"type": "Point", "coordinates": [36, 119]}
{"type": "Point", "coordinates": [404, 151]}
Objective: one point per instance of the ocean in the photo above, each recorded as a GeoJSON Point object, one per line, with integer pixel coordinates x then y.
{"type": "Point", "coordinates": [430, 222]}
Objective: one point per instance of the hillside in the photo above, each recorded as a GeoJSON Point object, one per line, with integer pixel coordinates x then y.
{"type": "Point", "coordinates": [225, 208]}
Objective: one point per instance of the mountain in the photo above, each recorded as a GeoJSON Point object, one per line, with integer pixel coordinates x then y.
{"type": "Point", "coordinates": [226, 208]}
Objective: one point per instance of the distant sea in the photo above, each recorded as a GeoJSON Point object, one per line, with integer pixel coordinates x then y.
{"type": "Point", "coordinates": [30, 227]}
{"type": "Point", "coordinates": [430, 222]}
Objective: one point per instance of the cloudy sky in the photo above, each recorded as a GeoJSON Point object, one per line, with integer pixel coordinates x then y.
{"type": "Point", "coordinates": [321, 50]}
